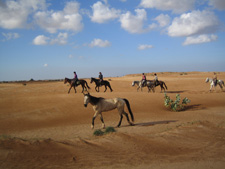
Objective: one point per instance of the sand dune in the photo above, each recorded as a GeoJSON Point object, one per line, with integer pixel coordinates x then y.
{"type": "Point", "coordinates": [42, 126]}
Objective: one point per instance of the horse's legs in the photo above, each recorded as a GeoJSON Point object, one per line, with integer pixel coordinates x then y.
{"type": "Point", "coordinates": [121, 118]}
{"type": "Point", "coordinates": [96, 88]}
{"type": "Point", "coordinates": [93, 119]}
{"type": "Point", "coordinates": [103, 124]}
{"type": "Point", "coordinates": [105, 88]}
{"type": "Point", "coordinates": [69, 89]}
{"type": "Point", "coordinates": [75, 89]}
{"type": "Point", "coordinates": [128, 120]}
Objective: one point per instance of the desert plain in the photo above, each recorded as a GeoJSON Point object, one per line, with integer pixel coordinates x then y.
{"type": "Point", "coordinates": [42, 126]}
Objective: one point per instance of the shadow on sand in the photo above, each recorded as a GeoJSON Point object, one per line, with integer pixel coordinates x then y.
{"type": "Point", "coordinates": [155, 123]}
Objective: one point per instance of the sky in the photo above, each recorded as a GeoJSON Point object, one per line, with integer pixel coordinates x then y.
{"type": "Point", "coordinates": [49, 39]}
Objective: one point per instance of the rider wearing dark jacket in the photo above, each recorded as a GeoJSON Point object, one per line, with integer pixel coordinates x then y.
{"type": "Point", "coordinates": [100, 77]}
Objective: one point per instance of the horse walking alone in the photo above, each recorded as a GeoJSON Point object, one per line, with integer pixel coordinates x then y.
{"type": "Point", "coordinates": [81, 82]}
{"type": "Point", "coordinates": [101, 105]}
{"type": "Point", "coordinates": [212, 84]}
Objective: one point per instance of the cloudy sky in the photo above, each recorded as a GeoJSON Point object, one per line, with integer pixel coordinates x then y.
{"type": "Point", "coordinates": [48, 39]}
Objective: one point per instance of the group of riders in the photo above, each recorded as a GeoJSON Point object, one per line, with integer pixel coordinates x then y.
{"type": "Point", "coordinates": [143, 81]}
{"type": "Point", "coordinates": [75, 79]}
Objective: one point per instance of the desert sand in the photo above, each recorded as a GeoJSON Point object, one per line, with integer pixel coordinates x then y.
{"type": "Point", "coordinates": [42, 126]}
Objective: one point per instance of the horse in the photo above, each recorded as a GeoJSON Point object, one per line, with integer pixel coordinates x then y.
{"type": "Point", "coordinates": [81, 82]}
{"type": "Point", "coordinates": [99, 84]}
{"type": "Point", "coordinates": [212, 84]}
{"type": "Point", "coordinates": [148, 84]}
{"type": "Point", "coordinates": [161, 84]}
{"type": "Point", "coordinates": [102, 105]}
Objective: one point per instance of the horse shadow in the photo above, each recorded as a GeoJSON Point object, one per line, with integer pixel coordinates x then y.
{"type": "Point", "coordinates": [193, 107]}
{"type": "Point", "coordinates": [176, 91]}
{"type": "Point", "coordinates": [152, 123]}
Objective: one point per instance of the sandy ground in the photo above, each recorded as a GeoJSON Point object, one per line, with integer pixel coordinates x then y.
{"type": "Point", "coordinates": [41, 126]}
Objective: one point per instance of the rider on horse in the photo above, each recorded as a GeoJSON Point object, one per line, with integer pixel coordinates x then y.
{"type": "Point", "coordinates": [100, 78]}
{"type": "Point", "coordinates": [215, 79]}
{"type": "Point", "coordinates": [143, 81]}
{"type": "Point", "coordinates": [156, 80]}
{"type": "Point", "coordinates": [75, 79]}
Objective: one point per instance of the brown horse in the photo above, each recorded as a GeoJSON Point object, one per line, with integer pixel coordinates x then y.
{"type": "Point", "coordinates": [161, 84]}
{"type": "Point", "coordinates": [79, 82]}
{"type": "Point", "coordinates": [98, 84]}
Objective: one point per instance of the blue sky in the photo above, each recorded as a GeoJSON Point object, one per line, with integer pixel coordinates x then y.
{"type": "Point", "coordinates": [48, 39]}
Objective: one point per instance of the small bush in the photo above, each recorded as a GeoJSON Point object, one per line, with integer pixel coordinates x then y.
{"type": "Point", "coordinates": [107, 130]}
{"type": "Point", "coordinates": [175, 105]}
{"type": "Point", "coordinates": [98, 133]}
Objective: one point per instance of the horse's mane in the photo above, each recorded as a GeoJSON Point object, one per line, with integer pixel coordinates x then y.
{"type": "Point", "coordinates": [95, 100]}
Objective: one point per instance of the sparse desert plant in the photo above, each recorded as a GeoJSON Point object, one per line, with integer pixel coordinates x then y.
{"type": "Point", "coordinates": [175, 105]}
{"type": "Point", "coordinates": [98, 132]}
{"type": "Point", "coordinates": [107, 130]}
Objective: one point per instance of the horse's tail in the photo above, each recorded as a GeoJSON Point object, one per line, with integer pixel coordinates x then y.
{"type": "Point", "coordinates": [128, 106]}
{"type": "Point", "coordinates": [87, 85]}
{"type": "Point", "coordinates": [165, 85]}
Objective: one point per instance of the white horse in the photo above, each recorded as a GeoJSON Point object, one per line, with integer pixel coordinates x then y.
{"type": "Point", "coordinates": [101, 105]}
{"type": "Point", "coordinates": [149, 84]}
{"type": "Point", "coordinates": [212, 84]}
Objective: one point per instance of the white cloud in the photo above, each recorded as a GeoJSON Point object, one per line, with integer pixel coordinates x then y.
{"type": "Point", "coordinates": [135, 23]}
{"type": "Point", "coordinates": [100, 43]}
{"type": "Point", "coordinates": [102, 13]}
{"type": "Point", "coordinates": [45, 65]}
{"type": "Point", "coordinates": [14, 14]}
{"type": "Point", "coordinates": [143, 47]}
{"type": "Point", "coordinates": [177, 6]}
{"type": "Point", "coordinates": [219, 4]}
{"type": "Point", "coordinates": [194, 23]}
{"type": "Point", "coordinates": [10, 35]}
{"type": "Point", "coordinates": [60, 40]}
{"type": "Point", "coordinates": [41, 40]}
{"type": "Point", "coordinates": [200, 39]}
{"type": "Point", "coordinates": [69, 19]}
{"type": "Point", "coordinates": [163, 20]}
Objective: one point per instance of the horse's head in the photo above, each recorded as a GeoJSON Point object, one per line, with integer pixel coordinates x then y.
{"type": "Point", "coordinates": [65, 80]}
{"type": "Point", "coordinates": [86, 98]}
{"type": "Point", "coordinates": [133, 83]}
{"type": "Point", "coordinates": [92, 79]}
{"type": "Point", "coordinates": [207, 80]}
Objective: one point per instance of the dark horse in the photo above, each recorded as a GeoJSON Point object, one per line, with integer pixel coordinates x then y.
{"type": "Point", "coordinates": [159, 83]}
{"type": "Point", "coordinates": [79, 82]}
{"type": "Point", "coordinates": [98, 84]}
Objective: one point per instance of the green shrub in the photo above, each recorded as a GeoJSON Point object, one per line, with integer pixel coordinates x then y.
{"type": "Point", "coordinates": [107, 130]}
{"type": "Point", "coordinates": [98, 133]}
{"type": "Point", "coordinates": [175, 105]}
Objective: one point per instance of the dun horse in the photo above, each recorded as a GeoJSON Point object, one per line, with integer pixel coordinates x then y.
{"type": "Point", "coordinates": [81, 82]}
{"type": "Point", "coordinates": [98, 84]}
{"type": "Point", "coordinates": [212, 84]}
{"type": "Point", "coordinates": [101, 105]}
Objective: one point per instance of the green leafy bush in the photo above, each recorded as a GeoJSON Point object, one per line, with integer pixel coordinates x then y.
{"type": "Point", "coordinates": [175, 105]}
{"type": "Point", "coordinates": [107, 130]}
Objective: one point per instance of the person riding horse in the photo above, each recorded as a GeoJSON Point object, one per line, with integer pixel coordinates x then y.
{"type": "Point", "coordinates": [143, 81]}
{"type": "Point", "coordinates": [156, 81]}
{"type": "Point", "coordinates": [100, 78]}
{"type": "Point", "coordinates": [215, 79]}
{"type": "Point", "coordinates": [75, 79]}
